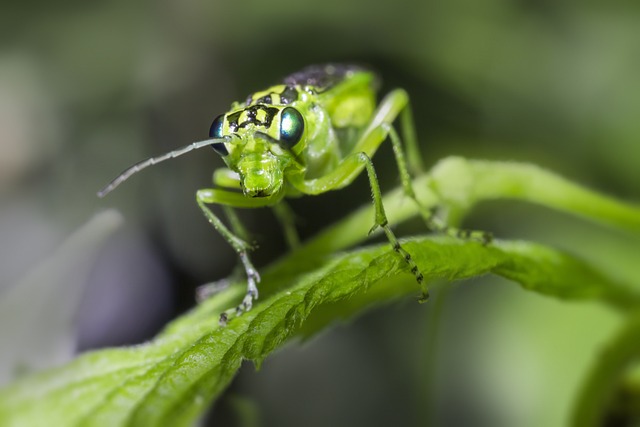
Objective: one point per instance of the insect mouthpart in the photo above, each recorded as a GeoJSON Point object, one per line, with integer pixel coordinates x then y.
{"type": "Point", "coordinates": [265, 137]}
{"type": "Point", "coordinates": [260, 175]}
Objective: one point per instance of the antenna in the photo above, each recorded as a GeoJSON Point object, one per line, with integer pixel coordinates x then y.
{"type": "Point", "coordinates": [155, 160]}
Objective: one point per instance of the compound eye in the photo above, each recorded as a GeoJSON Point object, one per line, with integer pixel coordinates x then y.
{"type": "Point", "coordinates": [291, 127]}
{"type": "Point", "coordinates": [216, 132]}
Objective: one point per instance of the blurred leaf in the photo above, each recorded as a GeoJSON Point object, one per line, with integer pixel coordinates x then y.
{"type": "Point", "coordinates": [463, 183]}
{"type": "Point", "coordinates": [598, 393]}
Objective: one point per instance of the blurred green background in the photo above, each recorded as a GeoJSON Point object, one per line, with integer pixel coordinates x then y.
{"type": "Point", "coordinates": [87, 89]}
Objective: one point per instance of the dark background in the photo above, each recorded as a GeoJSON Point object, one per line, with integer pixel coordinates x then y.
{"type": "Point", "coordinates": [87, 89]}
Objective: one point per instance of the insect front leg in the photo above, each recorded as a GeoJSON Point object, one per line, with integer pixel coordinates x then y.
{"type": "Point", "coordinates": [232, 199]}
{"type": "Point", "coordinates": [207, 290]}
{"type": "Point", "coordinates": [227, 178]}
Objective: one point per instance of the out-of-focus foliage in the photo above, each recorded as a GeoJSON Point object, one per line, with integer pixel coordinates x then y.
{"type": "Point", "coordinates": [88, 88]}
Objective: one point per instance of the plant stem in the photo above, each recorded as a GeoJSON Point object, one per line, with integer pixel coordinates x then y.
{"type": "Point", "coordinates": [598, 390]}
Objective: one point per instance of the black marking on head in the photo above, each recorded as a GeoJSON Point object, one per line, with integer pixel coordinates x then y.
{"type": "Point", "coordinates": [233, 120]}
{"type": "Point", "coordinates": [322, 77]}
{"type": "Point", "coordinates": [288, 95]}
{"type": "Point", "coordinates": [252, 117]}
{"type": "Point", "coordinates": [265, 100]}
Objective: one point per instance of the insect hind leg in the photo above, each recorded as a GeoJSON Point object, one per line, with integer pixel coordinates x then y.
{"type": "Point", "coordinates": [382, 222]}
{"type": "Point", "coordinates": [429, 217]}
{"type": "Point", "coordinates": [342, 175]}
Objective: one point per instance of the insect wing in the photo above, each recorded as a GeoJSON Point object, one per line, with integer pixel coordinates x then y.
{"type": "Point", "coordinates": [322, 77]}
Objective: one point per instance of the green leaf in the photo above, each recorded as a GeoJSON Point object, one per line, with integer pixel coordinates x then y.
{"type": "Point", "coordinates": [173, 379]}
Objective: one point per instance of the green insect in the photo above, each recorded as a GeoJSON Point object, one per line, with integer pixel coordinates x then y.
{"type": "Point", "coordinates": [314, 133]}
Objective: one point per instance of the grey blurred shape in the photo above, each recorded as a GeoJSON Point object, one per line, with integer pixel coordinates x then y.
{"type": "Point", "coordinates": [36, 314]}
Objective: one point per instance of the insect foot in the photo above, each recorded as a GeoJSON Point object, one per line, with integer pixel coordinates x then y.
{"type": "Point", "coordinates": [224, 318]}
{"type": "Point", "coordinates": [435, 224]}
{"type": "Point", "coordinates": [247, 302]}
{"type": "Point", "coordinates": [424, 297]}
{"type": "Point", "coordinates": [253, 278]}
{"type": "Point", "coordinates": [486, 238]}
